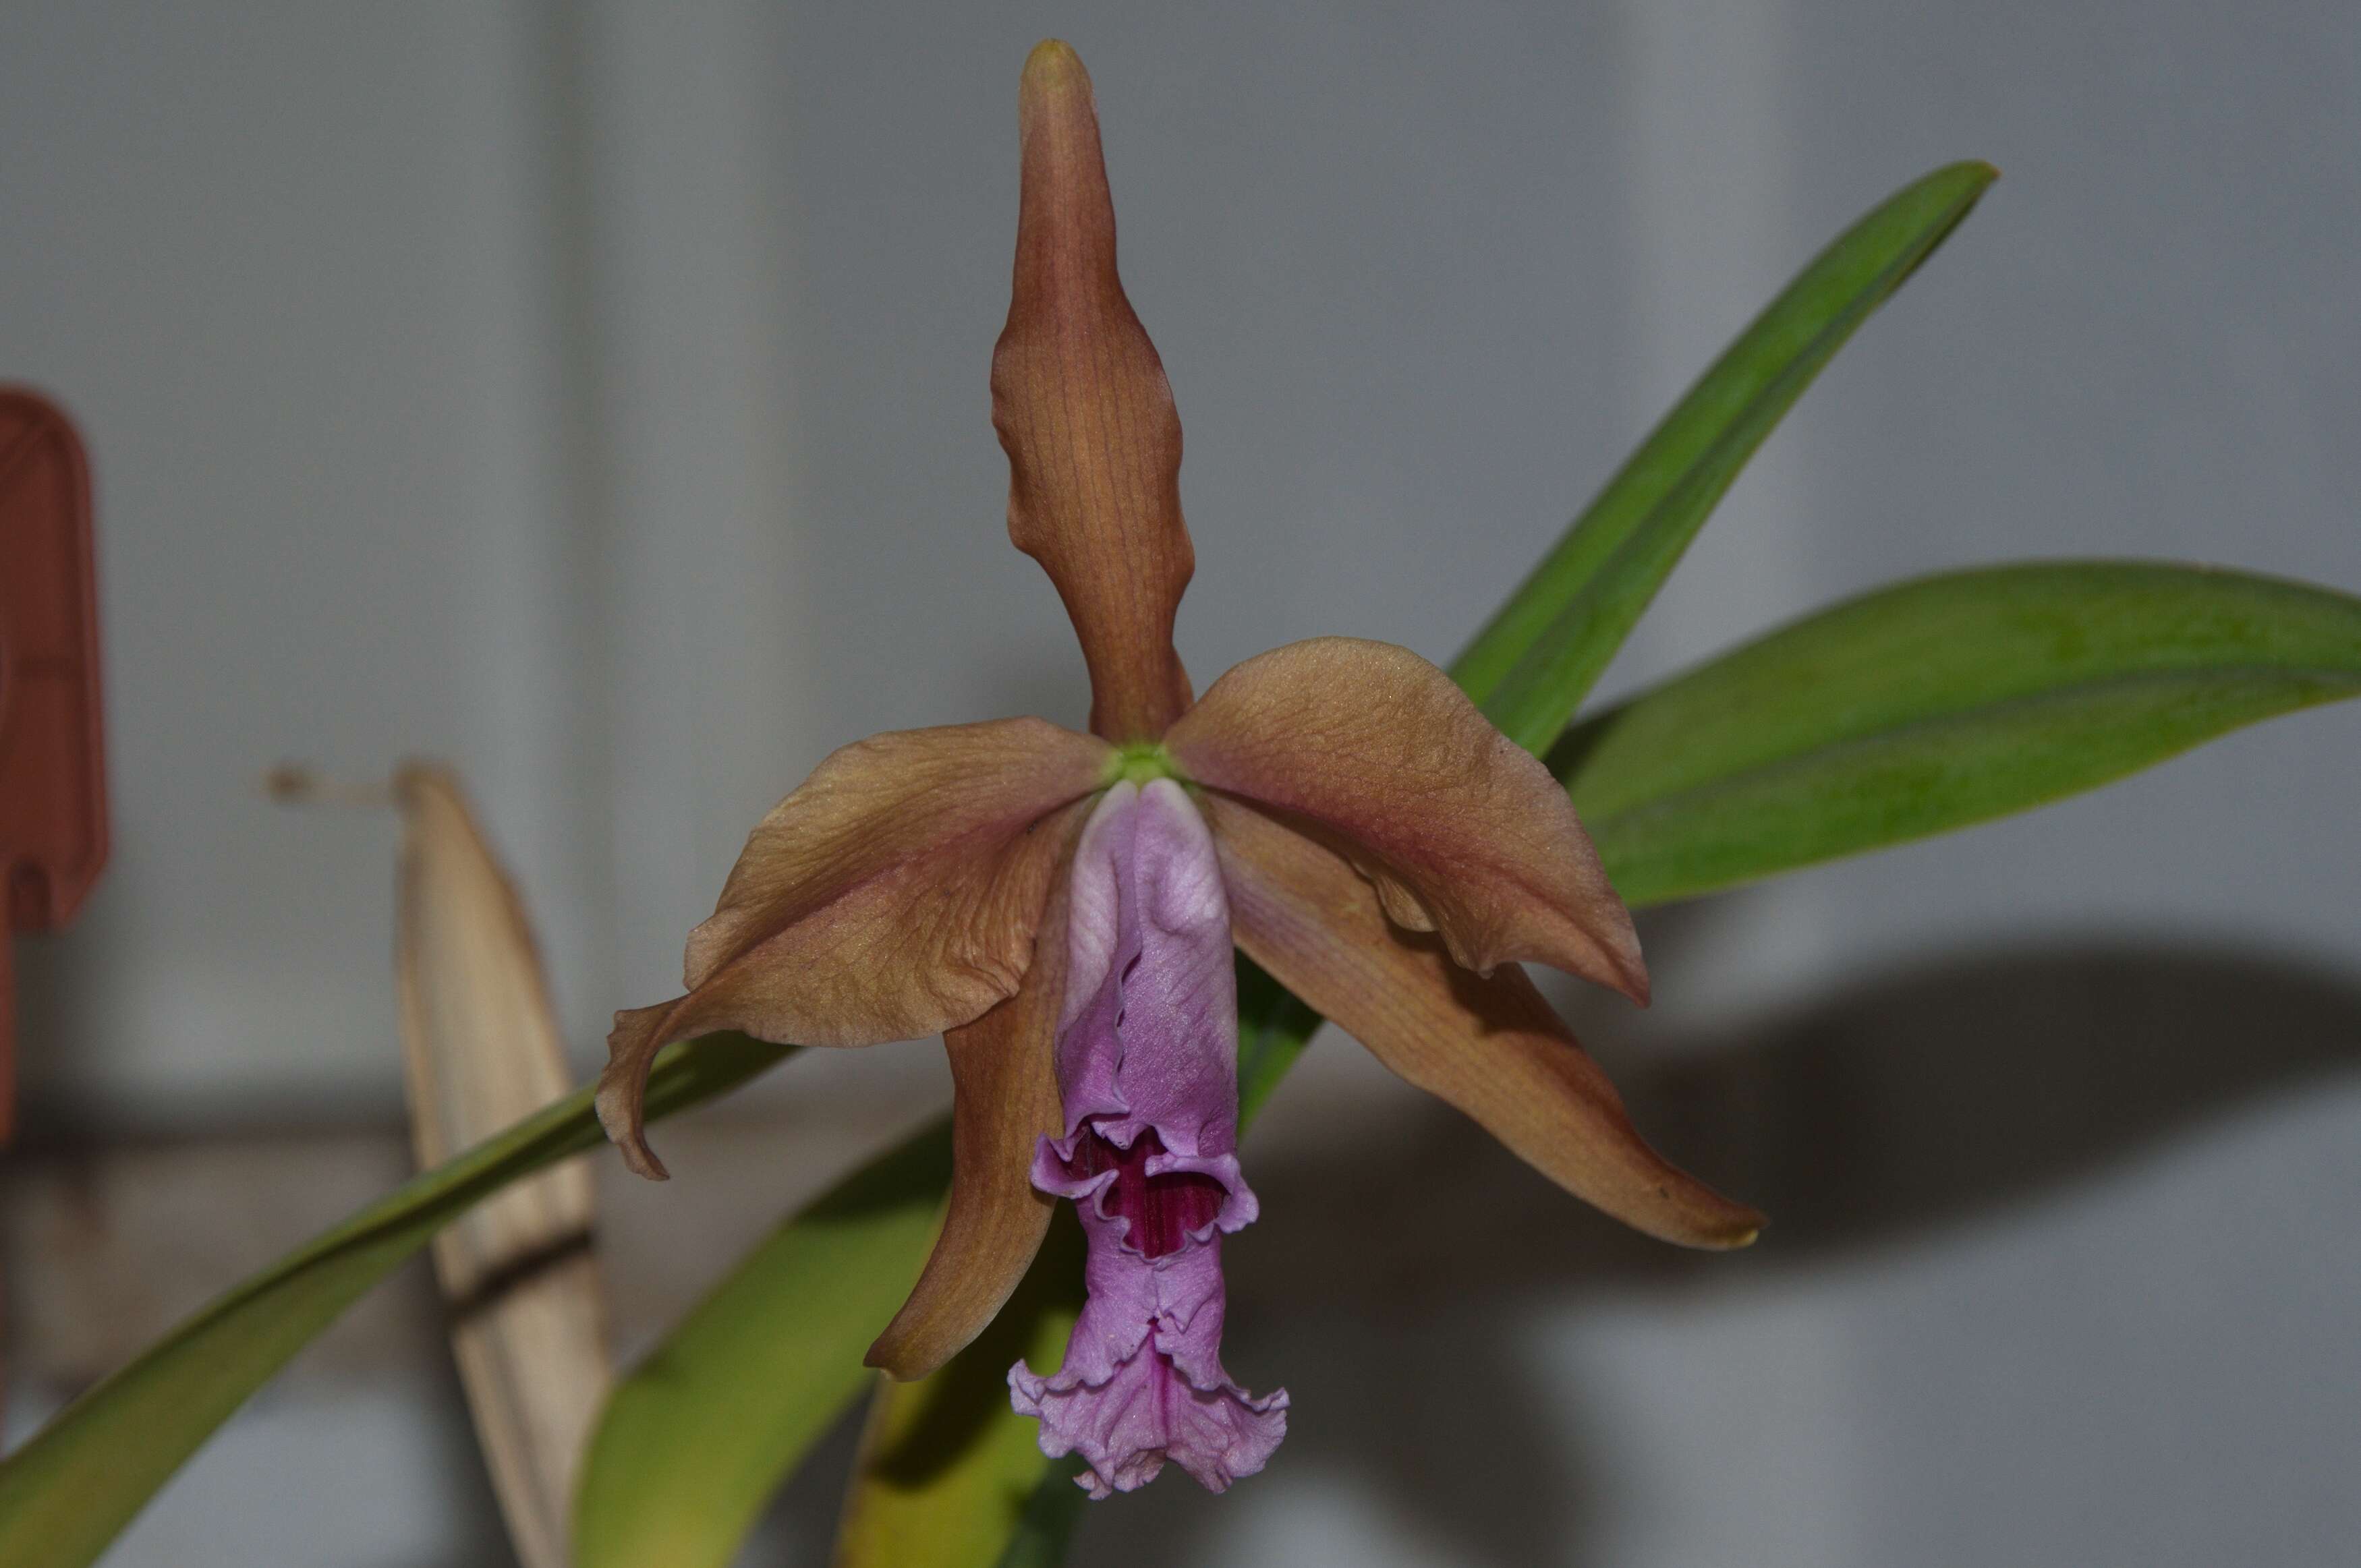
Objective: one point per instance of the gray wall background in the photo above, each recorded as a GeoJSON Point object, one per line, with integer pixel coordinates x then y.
{"type": "Point", "coordinates": [594, 396]}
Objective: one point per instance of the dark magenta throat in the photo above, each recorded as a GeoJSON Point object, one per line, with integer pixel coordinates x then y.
{"type": "Point", "coordinates": [1163, 1209]}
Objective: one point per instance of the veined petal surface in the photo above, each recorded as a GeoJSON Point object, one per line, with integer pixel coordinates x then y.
{"type": "Point", "coordinates": [1082, 408]}
{"type": "Point", "coordinates": [893, 896]}
{"type": "Point", "coordinates": [869, 847]}
{"type": "Point", "coordinates": [1491, 1046]}
{"type": "Point", "coordinates": [1004, 1101]}
{"type": "Point", "coordinates": [1464, 832]}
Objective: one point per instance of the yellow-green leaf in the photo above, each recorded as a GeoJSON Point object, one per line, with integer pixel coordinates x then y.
{"type": "Point", "coordinates": [696, 1438]}
{"type": "Point", "coordinates": [942, 1479]}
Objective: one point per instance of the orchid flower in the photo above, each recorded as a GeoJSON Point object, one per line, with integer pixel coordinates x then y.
{"type": "Point", "coordinates": [1061, 907]}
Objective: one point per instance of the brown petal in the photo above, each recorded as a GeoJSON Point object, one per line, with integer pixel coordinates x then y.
{"type": "Point", "coordinates": [1082, 405]}
{"type": "Point", "coordinates": [1490, 1046]}
{"type": "Point", "coordinates": [1374, 751]}
{"type": "Point", "coordinates": [1004, 1101]}
{"type": "Point", "coordinates": [893, 897]}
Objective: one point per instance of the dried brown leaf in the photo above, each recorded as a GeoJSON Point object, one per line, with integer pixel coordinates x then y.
{"type": "Point", "coordinates": [480, 1049]}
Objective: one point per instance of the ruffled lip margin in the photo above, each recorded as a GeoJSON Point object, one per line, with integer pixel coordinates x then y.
{"type": "Point", "coordinates": [1131, 1398]}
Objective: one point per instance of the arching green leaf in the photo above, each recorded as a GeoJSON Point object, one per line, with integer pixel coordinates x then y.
{"type": "Point", "coordinates": [1539, 656]}
{"type": "Point", "coordinates": [1940, 702]}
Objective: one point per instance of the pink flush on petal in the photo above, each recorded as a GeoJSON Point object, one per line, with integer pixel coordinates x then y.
{"type": "Point", "coordinates": [1147, 1066]}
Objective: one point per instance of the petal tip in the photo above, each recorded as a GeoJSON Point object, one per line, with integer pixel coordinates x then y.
{"type": "Point", "coordinates": [1052, 62]}
{"type": "Point", "coordinates": [1054, 83]}
{"type": "Point", "coordinates": [1731, 1226]}
{"type": "Point", "coordinates": [622, 1088]}
{"type": "Point", "coordinates": [623, 1131]}
{"type": "Point", "coordinates": [1631, 978]}
{"type": "Point", "coordinates": [882, 1357]}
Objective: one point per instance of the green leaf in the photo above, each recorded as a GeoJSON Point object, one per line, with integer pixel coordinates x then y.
{"type": "Point", "coordinates": [1048, 1518]}
{"type": "Point", "coordinates": [67, 1492]}
{"type": "Point", "coordinates": [1938, 703]}
{"type": "Point", "coordinates": [1530, 666]}
{"type": "Point", "coordinates": [694, 1441]}
{"type": "Point", "coordinates": [948, 1472]}
{"type": "Point", "coordinates": [1273, 1029]}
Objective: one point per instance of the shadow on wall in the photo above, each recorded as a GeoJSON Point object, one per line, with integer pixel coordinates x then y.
{"type": "Point", "coordinates": [1895, 1109]}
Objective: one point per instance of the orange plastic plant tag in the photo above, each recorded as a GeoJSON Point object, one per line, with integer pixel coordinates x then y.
{"type": "Point", "coordinates": [52, 767]}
